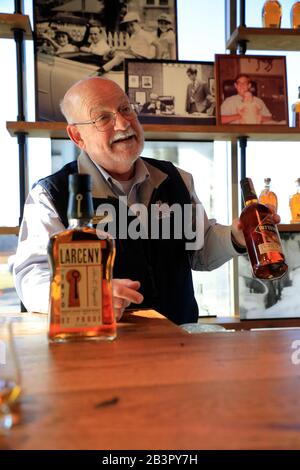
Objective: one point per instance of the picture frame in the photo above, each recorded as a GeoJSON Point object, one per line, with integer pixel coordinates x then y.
{"type": "Point", "coordinates": [146, 81]}
{"type": "Point", "coordinates": [85, 52]}
{"type": "Point", "coordinates": [166, 102]}
{"type": "Point", "coordinates": [251, 89]}
{"type": "Point", "coordinates": [133, 81]}
{"type": "Point", "coordinates": [260, 299]}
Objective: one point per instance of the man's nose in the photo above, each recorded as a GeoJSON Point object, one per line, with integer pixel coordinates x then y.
{"type": "Point", "coordinates": [121, 123]}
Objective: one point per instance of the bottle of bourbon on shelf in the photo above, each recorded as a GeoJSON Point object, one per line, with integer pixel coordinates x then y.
{"type": "Point", "coordinates": [296, 111]}
{"type": "Point", "coordinates": [271, 14]}
{"type": "Point", "coordinates": [81, 273]}
{"type": "Point", "coordinates": [295, 15]}
{"type": "Point", "coordinates": [267, 196]}
{"type": "Point", "coordinates": [295, 204]}
{"type": "Point", "coordinates": [261, 236]}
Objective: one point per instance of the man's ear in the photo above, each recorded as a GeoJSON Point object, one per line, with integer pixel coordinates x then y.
{"type": "Point", "coordinates": [75, 135]}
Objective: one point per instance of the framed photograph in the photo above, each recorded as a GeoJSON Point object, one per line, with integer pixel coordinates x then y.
{"type": "Point", "coordinates": [140, 98]}
{"type": "Point", "coordinates": [251, 89]}
{"type": "Point", "coordinates": [272, 299]}
{"type": "Point", "coordinates": [190, 102]}
{"type": "Point", "coordinates": [133, 80]}
{"type": "Point", "coordinates": [146, 81]}
{"type": "Point", "coordinates": [78, 39]}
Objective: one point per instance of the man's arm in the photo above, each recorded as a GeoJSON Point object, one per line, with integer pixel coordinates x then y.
{"type": "Point", "coordinates": [31, 268]}
{"type": "Point", "coordinates": [221, 242]}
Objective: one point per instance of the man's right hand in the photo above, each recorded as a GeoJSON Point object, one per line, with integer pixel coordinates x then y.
{"type": "Point", "coordinates": [125, 293]}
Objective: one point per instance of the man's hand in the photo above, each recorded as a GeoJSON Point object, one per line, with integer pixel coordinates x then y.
{"type": "Point", "coordinates": [237, 233]}
{"type": "Point", "coordinates": [125, 292]}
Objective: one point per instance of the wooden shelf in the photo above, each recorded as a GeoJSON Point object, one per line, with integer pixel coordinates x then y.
{"type": "Point", "coordinates": [266, 39]}
{"type": "Point", "coordinates": [9, 22]}
{"type": "Point", "coordinates": [57, 130]}
{"type": "Point", "coordinates": [9, 230]}
{"type": "Point", "coordinates": [289, 227]}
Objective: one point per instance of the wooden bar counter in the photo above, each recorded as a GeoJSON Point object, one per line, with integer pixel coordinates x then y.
{"type": "Point", "coordinates": [157, 387]}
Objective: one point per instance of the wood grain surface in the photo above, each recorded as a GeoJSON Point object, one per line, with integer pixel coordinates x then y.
{"type": "Point", "coordinates": [157, 387]}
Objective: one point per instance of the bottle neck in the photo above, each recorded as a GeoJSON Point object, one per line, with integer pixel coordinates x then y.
{"type": "Point", "coordinates": [80, 209]}
{"type": "Point", "coordinates": [251, 201]}
{"type": "Point", "coordinates": [79, 223]}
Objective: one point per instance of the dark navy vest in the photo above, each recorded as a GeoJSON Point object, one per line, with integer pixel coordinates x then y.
{"type": "Point", "coordinates": [161, 265]}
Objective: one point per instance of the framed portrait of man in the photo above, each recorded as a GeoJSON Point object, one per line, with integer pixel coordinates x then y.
{"type": "Point", "coordinates": [251, 89]}
{"type": "Point", "coordinates": [193, 102]}
{"type": "Point", "coordinates": [75, 39]}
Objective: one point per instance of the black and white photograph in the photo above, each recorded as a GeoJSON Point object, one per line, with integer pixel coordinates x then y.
{"type": "Point", "coordinates": [146, 81]}
{"type": "Point", "coordinates": [133, 81]}
{"type": "Point", "coordinates": [75, 39]}
{"type": "Point", "coordinates": [187, 99]}
{"type": "Point", "coordinates": [251, 89]}
{"type": "Point", "coordinates": [272, 299]}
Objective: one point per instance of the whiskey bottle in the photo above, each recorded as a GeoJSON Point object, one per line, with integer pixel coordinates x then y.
{"type": "Point", "coordinates": [267, 196]}
{"type": "Point", "coordinates": [81, 273]}
{"type": "Point", "coordinates": [295, 204]}
{"type": "Point", "coordinates": [295, 15]}
{"type": "Point", "coordinates": [296, 111]}
{"type": "Point", "coordinates": [261, 236]}
{"type": "Point", "coordinates": [271, 14]}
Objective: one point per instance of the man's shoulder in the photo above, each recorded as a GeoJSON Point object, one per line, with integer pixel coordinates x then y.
{"type": "Point", "coordinates": [58, 178]}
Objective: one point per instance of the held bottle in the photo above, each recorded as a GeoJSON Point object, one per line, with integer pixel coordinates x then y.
{"type": "Point", "coordinates": [271, 14]}
{"type": "Point", "coordinates": [295, 15]}
{"type": "Point", "coordinates": [295, 204]}
{"type": "Point", "coordinates": [261, 236]}
{"type": "Point", "coordinates": [81, 273]}
{"type": "Point", "coordinates": [267, 196]}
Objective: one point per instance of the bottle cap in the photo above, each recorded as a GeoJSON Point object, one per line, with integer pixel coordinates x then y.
{"type": "Point", "coordinates": [80, 183]}
{"type": "Point", "coordinates": [267, 180]}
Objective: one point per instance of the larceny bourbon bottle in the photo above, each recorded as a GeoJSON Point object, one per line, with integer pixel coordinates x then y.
{"type": "Point", "coordinates": [81, 273]}
{"type": "Point", "coordinates": [261, 235]}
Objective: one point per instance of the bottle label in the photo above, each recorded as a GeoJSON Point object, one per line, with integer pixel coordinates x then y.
{"type": "Point", "coordinates": [81, 281]}
{"type": "Point", "coordinates": [269, 238]}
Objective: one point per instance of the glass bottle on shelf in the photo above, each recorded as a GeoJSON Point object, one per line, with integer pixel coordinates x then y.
{"type": "Point", "coordinates": [267, 196]}
{"type": "Point", "coordinates": [261, 235]}
{"type": "Point", "coordinates": [295, 204]}
{"type": "Point", "coordinates": [81, 272]}
{"type": "Point", "coordinates": [296, 110]}
{"type": "Point", "coordinates": [295, 15]}
{"type": "Point", "coordinates": [271, 14]}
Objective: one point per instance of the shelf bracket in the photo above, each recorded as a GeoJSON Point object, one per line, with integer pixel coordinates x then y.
{"type": "Point", "coordinates": [242, 46]}
{"type": "Point", "coordinates": [243, 144]}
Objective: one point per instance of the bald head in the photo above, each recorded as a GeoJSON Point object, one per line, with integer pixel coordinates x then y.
{"type": "Point", "coordinates": [79, 99]}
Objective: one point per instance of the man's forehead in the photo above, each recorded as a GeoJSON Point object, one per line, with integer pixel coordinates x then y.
{"type": "Point", "coordinates": [243, 80]}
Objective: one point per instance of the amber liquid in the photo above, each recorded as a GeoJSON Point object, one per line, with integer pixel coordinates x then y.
{"type": "Point", "coordinates": [271, 14]}
{"type": "Point", "coordinates": [89, 327]}
{"type": "Point", "coordinates": [295, 208]}
{"type": "Point", "coordinates": [9, 392]}
{"type": "Point", "coordinates": [296, 114]}
{"type": "Point", "coordinates": [295, 15]}
{"type": "Point", "coordinates": [262, 242]}
{"type": "Point", "coordinates": [268, 197]}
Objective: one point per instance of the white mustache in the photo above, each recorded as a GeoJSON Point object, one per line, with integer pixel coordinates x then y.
{"type": "Point", "coordinates": [123, 135]}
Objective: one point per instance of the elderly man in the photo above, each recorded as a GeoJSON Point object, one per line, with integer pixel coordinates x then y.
{"type": "Point", "coordinates": [153, 272]}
